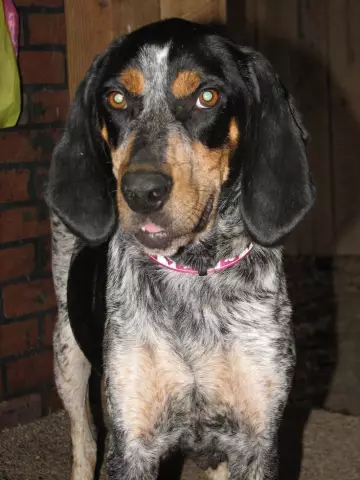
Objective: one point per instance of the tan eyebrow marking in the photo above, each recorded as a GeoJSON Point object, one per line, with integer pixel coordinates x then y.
{"type": "Point", "coordinates": [133, 80]}
{"type": "Point", "coordinates": [234, 133]}
{"type": "Point", "coordinates": [185, 83]}
{"type": "Point", "coordinates": [104, 134]}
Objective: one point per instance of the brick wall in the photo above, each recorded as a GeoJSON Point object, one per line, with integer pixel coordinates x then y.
{"type": "Point", "coordinates": [27, 302]}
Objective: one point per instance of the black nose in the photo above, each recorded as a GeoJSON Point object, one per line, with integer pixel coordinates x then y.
{"type": "Point", "coordinates": [146, 192]}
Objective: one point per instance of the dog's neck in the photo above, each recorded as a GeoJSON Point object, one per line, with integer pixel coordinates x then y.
{"type": "Point", "coordinates": [226, 239]}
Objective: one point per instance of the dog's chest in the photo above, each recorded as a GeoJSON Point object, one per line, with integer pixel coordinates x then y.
{"type": "Point", "coordinates": [178, 352]}
{"type": "Point", "coordinates": [206, 390]}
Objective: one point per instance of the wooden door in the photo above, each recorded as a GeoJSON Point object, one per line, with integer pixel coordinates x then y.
{"type": "Point", "coordinates": [315, 46]}
{"type": "Point", "coordinates": [92, 24]}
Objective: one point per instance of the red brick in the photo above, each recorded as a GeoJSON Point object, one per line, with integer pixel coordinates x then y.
{"type": "Point", "coordinates": [40, 3]}
{"type": "Point", "coordinates": [49, 323]}
{"type": "Point", "coordinates": [14, 185]}
{"type": "Point", "coordinates": [20, 410]}
{"type": "Point", "coordinates": [49, 106]}
{"type": "Point", "coordinates": [18, 337]}
{"type": "Point", "coordinates": [21, 31]}
{"type": "Point", "coordinates": [48, 257]}
{"type": "Point", "coordinates": [17, 147]}
{"type": "Point", "coordinates": [29, 146]}
{"type": "Point", "coordinates": [47, 28]}
{"type": "Point", "coordinates": [29, 297]}
{"type": "Point", "coordinates": [40, 179]}
{"type": "Point", "coordinates": [42, 67]}
{"type": "Point", "coordinates": [45, 255]}
{"type": "Point", "coordinates": [16, 262]}
{"type": "Point", "coordinates": [24, 116]}
{"type": "Point", "coordinates": [30, 372]}
{"type": "Point", "coordinates": [22, 223]}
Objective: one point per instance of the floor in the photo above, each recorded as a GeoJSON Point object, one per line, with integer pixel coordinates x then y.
{"type": "Point", "coordinates": [320, 436]}
{"type": "Point", "coordinates": [41, 451]}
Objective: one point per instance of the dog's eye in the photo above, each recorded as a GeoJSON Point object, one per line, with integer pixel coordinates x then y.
{"type": "Point", "coordinates": [208, 99]}
{"type": "Point", "coordinates": [117, 100]}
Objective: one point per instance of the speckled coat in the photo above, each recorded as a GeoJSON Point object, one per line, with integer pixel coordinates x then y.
{"type": "Point", "coordinates": [200, 364]}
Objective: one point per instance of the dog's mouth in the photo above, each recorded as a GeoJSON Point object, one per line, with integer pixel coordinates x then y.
{"type": "Point", "coordinates": [153, 236]}
{"type": "Point", "coordinates": [156, 237]}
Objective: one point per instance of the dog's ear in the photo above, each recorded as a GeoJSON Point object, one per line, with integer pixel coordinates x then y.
{"type": "Point", "coordinates": [78, 187]}
{"type": "Point", "coordinates": [277, 190]}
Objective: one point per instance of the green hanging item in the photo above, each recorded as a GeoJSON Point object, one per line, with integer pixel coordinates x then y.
{"type": "Point", "coordinates": [10, 92]}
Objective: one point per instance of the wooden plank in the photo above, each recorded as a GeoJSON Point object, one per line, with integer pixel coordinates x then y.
{"type": "Point", "coordinates": [277, 24]}
{"type": "Point", "coordinates": [344, 36]}
{"type": "Point", "coordinates": [293, 35]}
{"type": "Point", "coordinates": [89, 31]}
{"type": "Point", "coordinates": [276, 33]}
{"type": "Point", "coordinates": [222, 11]}
{"type": "Point", "coordinates": [252, 26]}
{"type": "Point", "coordinates": [128, 15]}
{"type": "Point", "coordinates": [310, 82]}
{"type": "Point", "coordinates": [198, 11]}
{"type": "Point", "coordinates": [241, 19]}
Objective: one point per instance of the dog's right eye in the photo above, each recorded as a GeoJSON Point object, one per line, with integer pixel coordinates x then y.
{"type": "Point", "coordinates": [117, 100]}
{"type": "Point", "coordinates": [208, 98]}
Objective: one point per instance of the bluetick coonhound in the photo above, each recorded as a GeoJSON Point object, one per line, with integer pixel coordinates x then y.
{"type": "Point", "coordinates": [183, 155]}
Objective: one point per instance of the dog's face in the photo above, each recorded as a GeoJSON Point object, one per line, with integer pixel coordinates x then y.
{"type": "Point", "coordinates": [173, 118]}
{"type": "Point", "coordinates": [167, 114]}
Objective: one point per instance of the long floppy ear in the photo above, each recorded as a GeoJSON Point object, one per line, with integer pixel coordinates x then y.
{"type": "Point", "coordinates": [276, 185]}
{"type": "Point", "coordinates": [78, 188]}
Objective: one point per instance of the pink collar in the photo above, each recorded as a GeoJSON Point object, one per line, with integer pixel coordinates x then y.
{"type": "Point", "coordinates": [221, 265]}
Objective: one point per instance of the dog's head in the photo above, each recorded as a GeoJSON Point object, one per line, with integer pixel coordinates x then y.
{"type": "Point", "coordinates": [168, 122]}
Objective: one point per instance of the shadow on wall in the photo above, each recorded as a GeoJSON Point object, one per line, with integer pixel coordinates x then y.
{"type": "Point", "coordinates": [311, 289]}
{"type": "Point", "coordinates": [313, 281]}
{"type": "Point", "coordinates": [329, 114]}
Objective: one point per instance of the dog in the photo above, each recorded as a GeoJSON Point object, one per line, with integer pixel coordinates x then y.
{"type": "Point", "coordinates": [181, 170]}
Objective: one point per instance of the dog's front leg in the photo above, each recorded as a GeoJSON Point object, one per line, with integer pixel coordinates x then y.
{"type": "Point", "coordinates": [130, 462]}
{"type": "Point", "coordinates": [129, 458]}
{"type": "Point", "coordinates": [260, 462]}
{"type": "Point", "coordinates": [135, 446]}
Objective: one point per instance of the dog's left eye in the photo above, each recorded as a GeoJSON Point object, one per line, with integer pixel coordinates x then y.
{"type": "Point", "coordinates": [208, 98]}
{"type": "Point", "coordinates": [117, 100]}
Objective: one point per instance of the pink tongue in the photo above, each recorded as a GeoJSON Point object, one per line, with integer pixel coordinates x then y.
{"type": "Point", "coordinates": [152, 228]}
